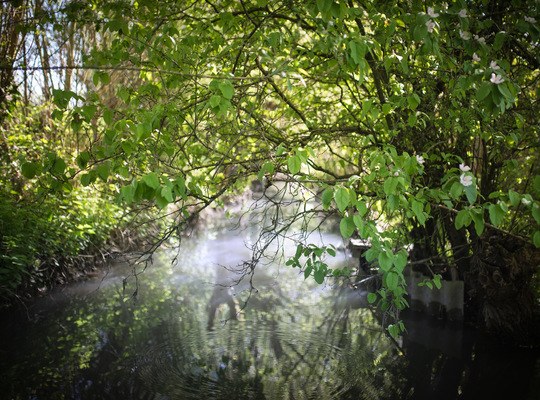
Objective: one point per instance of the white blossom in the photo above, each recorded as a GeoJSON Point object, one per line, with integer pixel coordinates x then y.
{"type": "Point", "coordinates": [494, 66]}
{"type": "Point", "coordinates": [463, 13]}
{"type": "Point", "coordinates": [475, 57]}
{"type": "Point", "coordinates": [420, 159]}
{"type": "Point", "coordinates": [430, 25]}
{"type": "Point", "coordinates": [300, 79]}
{"type": "Point", "coordinates": [465, 35]}
{"type": "Point", "coordinates": [528, 19]}
{"type": "Point", "coordinates": [397, 56]}
{"type": "Point", "coordinates": [397, 173]}
{"type": "Point", "coordinates": [466, 180]}
{"type": "Point", "coordinates": [464, 168]}
{"type": "Point", "coordinates": [480, 39]}
{"type": "Point", "coordinates": [432, 12]}
{"type": "Point", "coordinates": [496, 79]}
{"type": "Point", "coordinates": [525, 201]}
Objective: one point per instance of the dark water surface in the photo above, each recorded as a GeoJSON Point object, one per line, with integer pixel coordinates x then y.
{"type": "Point", "coordinates": [293, 340]}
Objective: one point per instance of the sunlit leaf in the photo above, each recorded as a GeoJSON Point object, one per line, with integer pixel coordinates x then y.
{"type": "Point", "coordinates": [294, 163]}
{"type": "Point", "coordinates": [151, 179]}
{"type": "Point", "coordinates": [341, 196]}
{"type": "Point", "coordinates": [347, 227]}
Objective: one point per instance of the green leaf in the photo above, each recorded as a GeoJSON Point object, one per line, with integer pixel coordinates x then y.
{"type": "Point", "coordinates": [331, 251]}
{"type": "Point", "coordinates": [324, 5]}
{"type": "Point", "coordinates": [411, 120]}
{"type": "Point", "coordinates": [535, 211]}
{"type": "Point", "coordinates": [418, 210]}
{"type": "Point", "coordinates": [400, 260]}
{"type": "Point", "coordinates": [103, 171]}
{"type": "Point", "coordinates": [307, 271]}
{"type": "Point", "coordinates": [58, 166]}
{"type": "Point", "coordinates": [223, 107]}
{"type": "Point", "coordinates": [393, 329]}
{"type": "Point", "coordinates": [127, 193]}
{"type": "Point", "coordinates": [319, 275]}
{"type": "Point", "coordinates": [361, 207]}
{"type": "Point", "coordinates": [437, 281]}
{"type": "Point", "coordinates": [358, 221]}
{"type": "Point", "coordinates": [392, 280]}
{"type": "Point", "coordinates": [390, 185]}
{"type": "Point", "coordinates": [302, 154]}
{"type": "Point", "coordinates": [180, 187]}
{"type": "Point", "coordinates": [88, 111]}
{"type": "Point", "coordinates": [215, 100]}
{"type": "Point", "coordinates": [227, 89]}
{"type": "Point", "coordinates": [463, 218]}
{"type": "Point", "coordinates": [483, 91]}
{"type": "Point", "coordinates": [29, 169]}
{"type": "Point", "coordinates": [514, 197]}
{"type": "Point", "coordinates": [105, 78]}
{"type": "Point", "coordinates": [496, 214]}
{"type": "Point", "coordinates": [471, 193]}
{"type": "Point", "coordinates": [108, 116]}
{"type": "Point", "coordinates": [327, 196]}
{"type": "Point", "coordinates": [161, 202]}
{"type": "Point", "coordinates": [371, 298]}
{"type": "Point", "coordinates": [503, 88]}
{"type": "Point", "coordinates": [88, 179]}
{"type": "Point", "coordinates": [151, 180]}
{"type": "Point", "coordinates": [167, 194]}
{"type": "Point", "coordinates": [456, 190]}
{"type": "Point", "coordinates": [420, 33]}
{"type": "Point", "coordinates": [82, 159]}
{"type": "Point", "coordinates": [294, 163]}
{"type": "Point", "coordinates": [499, 40]}
{"type": "Point", "coordinates": [341, 196]}
{"type": "Point", "coordinates": [478, 218]}
{"type": "Point", "coordinates": [347, 227]}
{"type": "Point", "coordinates": [385, 261]}
{"type": "Point", "coordinates": [280, 150]}
{"type": "Point", "coordinates": [536, 239]}
{"type": "Point", "coordinates": [266, 168]}
{"type": "Point", "coordinates": [536, 184]}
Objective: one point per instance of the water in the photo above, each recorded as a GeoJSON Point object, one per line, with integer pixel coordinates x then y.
{"type": "Point", "coordinates": [292, 339]}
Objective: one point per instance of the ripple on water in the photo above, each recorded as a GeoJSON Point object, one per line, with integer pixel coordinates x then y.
{"type": "Point", "coordinates": [240, 360]}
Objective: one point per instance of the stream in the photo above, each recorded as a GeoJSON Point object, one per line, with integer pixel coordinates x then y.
{"type": "Point", "coordinates": [168, 333]}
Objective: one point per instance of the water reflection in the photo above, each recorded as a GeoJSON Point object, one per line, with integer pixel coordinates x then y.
{"type": "Point", "coordinates": [188, 335]}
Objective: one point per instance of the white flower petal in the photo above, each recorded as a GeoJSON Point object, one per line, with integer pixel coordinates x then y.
{"type": "Point", "coordinates": [464, 168]}
{"type": "Point", "coordinates": [431, 12]}
{"type": "Point", "coordinates": [466, 180]}
{"type": "Point", "coordinates": [496, 79]}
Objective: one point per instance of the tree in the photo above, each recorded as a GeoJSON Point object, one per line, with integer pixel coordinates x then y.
{"type": "Point", "coordinates": [413, 123]}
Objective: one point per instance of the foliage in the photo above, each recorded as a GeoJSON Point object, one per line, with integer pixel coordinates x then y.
{"type": "Point", "coordinates": [45, 224]}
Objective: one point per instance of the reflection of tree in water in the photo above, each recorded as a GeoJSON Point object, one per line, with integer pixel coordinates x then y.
{"type": "Point", "coordinates": [287, 343]}
{"type": "Point", "coordinates": [447, 362]}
